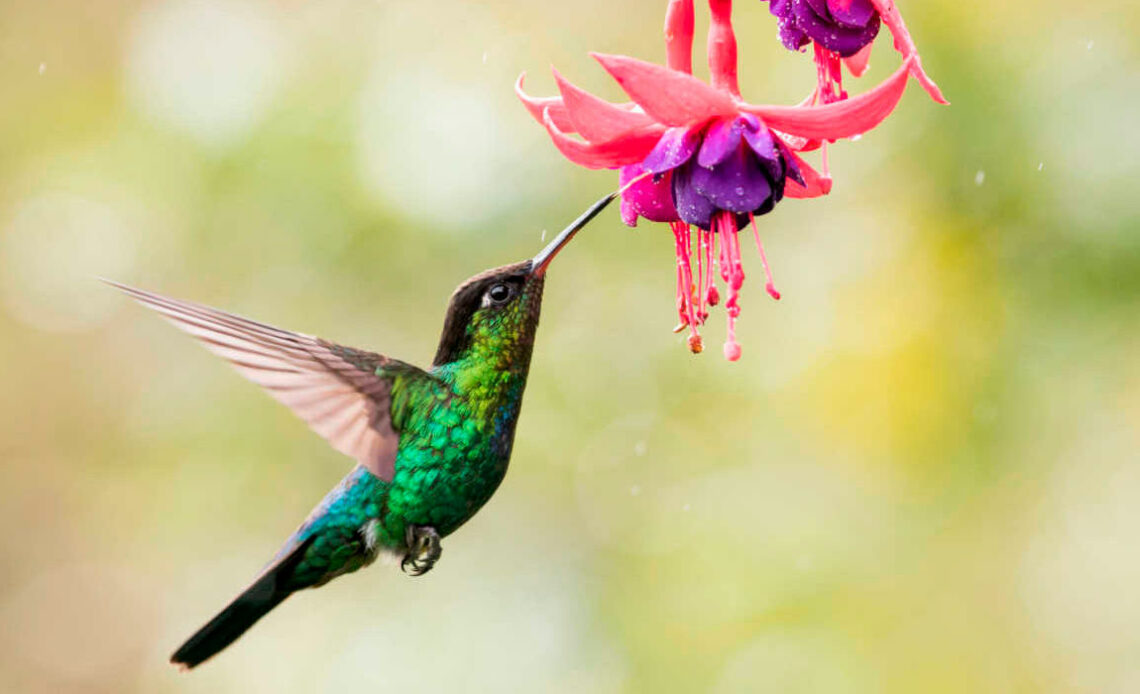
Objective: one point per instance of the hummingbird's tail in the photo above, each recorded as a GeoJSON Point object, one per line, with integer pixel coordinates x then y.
{"type": "Point", "coordinates": [267, 592]}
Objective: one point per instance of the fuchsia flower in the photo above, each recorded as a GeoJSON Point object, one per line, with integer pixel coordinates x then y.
{"type": "Point", "coordinates": [696, 154]}
{"type": "Point", "coordinates": [844, 30]}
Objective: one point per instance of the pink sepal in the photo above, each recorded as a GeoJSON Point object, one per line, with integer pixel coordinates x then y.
{"type": "Point", "coordinates": [537, 106]}
{"type": "Point", "coordinates": [596, 119]}
{"type": "Point", "coordinates": [670, 97]}
{"type": "Point", "coordinates": [844, 118]}
{"type": "Point", "coordinates": [679, 35]}
{"type": "Point", "coordinates": [859, 62]}
{"type": "Point", "coordinates": [626, 149]}
{"type": "Point", "coordinates": [815, 184]}
{"type": "Point", "coordinates": [904, 44]}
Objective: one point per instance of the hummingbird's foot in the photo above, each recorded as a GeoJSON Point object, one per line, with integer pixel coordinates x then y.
{"type": "Point", "coordinates": [423, 550]}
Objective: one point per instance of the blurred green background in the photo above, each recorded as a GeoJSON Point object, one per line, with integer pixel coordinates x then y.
{"type": "Point", "coordinates": [922, 477]}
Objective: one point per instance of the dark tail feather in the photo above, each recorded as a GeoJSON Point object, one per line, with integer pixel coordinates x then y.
{"type": "Point", "coordinates": [267, 592]}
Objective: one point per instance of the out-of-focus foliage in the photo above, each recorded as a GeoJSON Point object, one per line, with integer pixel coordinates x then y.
{"type": "Point", "coordinates": [922, 477]}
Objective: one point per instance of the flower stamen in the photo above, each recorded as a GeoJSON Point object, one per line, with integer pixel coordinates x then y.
{"type": "Point", "coordinates": [732, 270]}
{"type": "Point", "coordinates": [770, 287]}
{"type": "Point", "coordinates": [681, 235]}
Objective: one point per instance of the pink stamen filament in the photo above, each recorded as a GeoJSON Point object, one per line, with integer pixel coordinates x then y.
{"type": "Point", "coordinates": [733, 272]}
{"type": "Point", "coordinates": [829, 75]}
{"type": "Point", "coordinates": [770, 287]}
{"type": "Point", "coordinates": [709, 295]}
{"type": "Point", "coordinates": [685, 287]}
{"type": "Point", "coordinates": [701, 313]}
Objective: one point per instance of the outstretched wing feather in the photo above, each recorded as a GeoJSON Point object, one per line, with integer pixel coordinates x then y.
{"type": "Point", "coordinates": [342, 394]}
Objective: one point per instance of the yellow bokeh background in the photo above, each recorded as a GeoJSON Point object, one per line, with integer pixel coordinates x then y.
{"type": "Point", "coordinates": [923, 475]}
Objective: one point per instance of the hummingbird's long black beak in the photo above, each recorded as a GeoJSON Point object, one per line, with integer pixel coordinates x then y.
{"type": "Point", "coordinates": [539, 263]}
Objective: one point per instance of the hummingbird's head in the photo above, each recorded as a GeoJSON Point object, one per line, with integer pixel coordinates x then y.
{"type": "Point", "coordinates": [495, 313]}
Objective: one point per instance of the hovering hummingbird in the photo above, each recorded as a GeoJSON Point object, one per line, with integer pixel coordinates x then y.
{"type": "Point", "coordinates": [431, 445]}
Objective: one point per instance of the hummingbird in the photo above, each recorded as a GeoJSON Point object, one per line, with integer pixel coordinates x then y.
{"type": "Point", "coordinates": [431, 445]}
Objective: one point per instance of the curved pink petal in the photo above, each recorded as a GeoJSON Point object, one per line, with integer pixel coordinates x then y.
{"type": "Point", "coordinates": [905, 45]}
{"type": "Point", "coordinates": [815, 184]}
{"type": "Point", "coordinates": [839, 119]}
{"type": "Point", "coordinates": [596, 119]}
{"type": "Point", "coordinates": [627, 149]}
{"type": "Point", "coordinates": [537, 106]}
{"type": "Point", "coordinates": [858, 63]}
{"type": "Point", "coordinates": [671, 97]}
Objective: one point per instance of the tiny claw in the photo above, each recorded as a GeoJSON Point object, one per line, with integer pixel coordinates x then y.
{"type": "Point", "coordinates": [771, 289]}
{"type": "Point", "coordinates": [423, 550]}
{"type": "Point", "coordinates": [680, 327]}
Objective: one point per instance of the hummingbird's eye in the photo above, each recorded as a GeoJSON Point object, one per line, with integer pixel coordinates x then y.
{"type": "Point", "coordinates": [499, 293]}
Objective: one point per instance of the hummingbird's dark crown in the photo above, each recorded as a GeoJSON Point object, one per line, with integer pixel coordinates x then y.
{"type": "Point", "coordinates": [502, 300]}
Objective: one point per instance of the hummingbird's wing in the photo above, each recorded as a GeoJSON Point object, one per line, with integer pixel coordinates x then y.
{"type": "Point", "coordinates": [344, 394]}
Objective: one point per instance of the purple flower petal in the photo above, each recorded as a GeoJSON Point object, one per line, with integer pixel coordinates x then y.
{"type": "Point", "coordinates": [780, 8]}
{"type": "Point", "coordinates": [721, 140]}
{"type": "Point", "coordinates": [844, 40]}
{"type": "Point", "coordinates": [647, 198]}
{"type": "Point", "coordinates": [759, 138]}
{"type": "Point", "coordinates": [674, 148]}
{"type": "Point", "coordinates": [739, 184]}
{"type": "Point", "coordinates": [692, 207]}
{"type": "Point", "coordinates": [857, 14]}
{"type": "Point", "coordinates": [820, 8]}
{"type": "Point", "coordinates": [792, 36]}
{"type": "Point", "coordinates": [792, 168]}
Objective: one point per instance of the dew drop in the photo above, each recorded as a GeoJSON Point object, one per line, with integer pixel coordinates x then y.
{"type": "Point", "coordinates": [1040, 166]}
{"type": "Point", "coordinates": [43, 68]}
{"type": "Point", "coordinates": [979, 178]}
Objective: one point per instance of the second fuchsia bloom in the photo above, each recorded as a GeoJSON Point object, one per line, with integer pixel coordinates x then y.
{"type": "Point", "coordinates": [695, 154]}
{"type": "Point", "coordinates": [844, 30]}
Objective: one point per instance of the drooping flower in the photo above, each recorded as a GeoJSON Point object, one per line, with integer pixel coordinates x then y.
{"type": "Point", "coordinates": [843, 30]}
{"type": "Point", "coordinates": [692, 153]}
